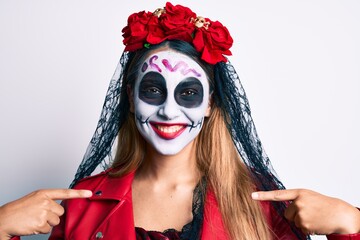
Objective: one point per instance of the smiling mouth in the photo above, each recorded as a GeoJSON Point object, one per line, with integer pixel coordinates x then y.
{"type": "Point", "coordinates": [168, 131]}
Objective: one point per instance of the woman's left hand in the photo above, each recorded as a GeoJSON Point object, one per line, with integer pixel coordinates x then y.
{"type": "Point", "coordinates": [315, 213]}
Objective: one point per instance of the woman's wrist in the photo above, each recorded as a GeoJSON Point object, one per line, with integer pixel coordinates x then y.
{"type": "Point", "coordinates": [3, 234]}
{"type": "Point", "coordinates": [351, 224]}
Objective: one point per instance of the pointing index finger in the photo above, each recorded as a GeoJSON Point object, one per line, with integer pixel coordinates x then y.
{"type": "Point", "coordinates": [276, 195]}
{"type": "Point", "coordinates": [62, 194]}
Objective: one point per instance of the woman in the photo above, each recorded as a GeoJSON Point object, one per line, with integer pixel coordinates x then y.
{"type": "Point", "coordinates": [196, 176]}
{"type": "Point", "coordinates": [188, 156]}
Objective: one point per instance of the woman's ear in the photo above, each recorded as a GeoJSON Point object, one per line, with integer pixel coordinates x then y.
{"type": "Point", "coordinates": [208, 110]}
{"type": "Point", "coordinates": [130, 94]}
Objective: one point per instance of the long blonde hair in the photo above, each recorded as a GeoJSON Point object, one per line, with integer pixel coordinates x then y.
{"type": "Point", "coordinates": [220, 163]}
{"type": "Point", "coordinates": [230, 180]}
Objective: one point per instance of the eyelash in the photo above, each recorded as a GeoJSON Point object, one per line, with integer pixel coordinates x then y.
{"type": "Point", "coordinates": [188, 92]}
{"type": "Point", "coordinates": [153, 90]}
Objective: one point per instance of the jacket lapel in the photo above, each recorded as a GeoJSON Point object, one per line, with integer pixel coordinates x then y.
{"type": "Point", "coordinates": [111, 210]}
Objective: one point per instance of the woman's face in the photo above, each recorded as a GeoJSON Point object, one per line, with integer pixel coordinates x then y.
{"type": "Point", "coordinates": [170, 100]}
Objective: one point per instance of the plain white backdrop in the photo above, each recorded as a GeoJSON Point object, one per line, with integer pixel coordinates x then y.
{"type": "Point", "coordinates": [299, 62]}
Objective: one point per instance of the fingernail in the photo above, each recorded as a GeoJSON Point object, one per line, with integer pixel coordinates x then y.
{"type": "Point", "coordinates": [255, 195]}
{"type": "Point", "coordinates": [87, 193]}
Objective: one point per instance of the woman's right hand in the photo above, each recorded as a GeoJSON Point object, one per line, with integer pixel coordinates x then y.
{"type": "Point", "coordinates": [36, 212]}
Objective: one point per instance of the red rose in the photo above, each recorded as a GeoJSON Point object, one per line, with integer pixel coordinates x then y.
{"type": "Point", "coordinates": [156, 33]}
{"type": "Point", "coordinates": [136, 31]}
{"type": "Point", "coordinates": [211, 39]}
{"type": "Point", "coordinates": [213, 42]}
{"type": "Point", "coordinates": [176, 17]}
{"type": "Point", "coordinates": [176, 22]}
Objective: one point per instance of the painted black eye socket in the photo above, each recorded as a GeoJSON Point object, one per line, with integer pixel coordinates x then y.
{"type": "Point", "coordinates": [152, 89]}
{"type": "Point", "coordinates": [189, 93]}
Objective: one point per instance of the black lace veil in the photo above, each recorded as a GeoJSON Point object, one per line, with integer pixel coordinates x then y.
{"type": "Point", "coordinates": [99, 150]}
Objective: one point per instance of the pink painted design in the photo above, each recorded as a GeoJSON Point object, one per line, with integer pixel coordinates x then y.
{"type": "Point", "coordinates": [144, 67]}
{"type": "Point", "coordinates": [154, 65]}
{"type": "Point", "coordinates": [185, 70]}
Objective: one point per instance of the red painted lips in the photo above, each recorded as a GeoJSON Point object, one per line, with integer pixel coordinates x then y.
{"type": "Point", "coordinates": [168, 131]}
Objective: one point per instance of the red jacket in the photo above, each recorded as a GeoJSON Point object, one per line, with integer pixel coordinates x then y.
{"type": "Point", "coordinates": [108, 214]}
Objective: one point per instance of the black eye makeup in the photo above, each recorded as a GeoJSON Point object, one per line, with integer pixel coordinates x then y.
{"type": "Point", "coordinates": [189, 93]}
{"type": "Point", "coordinates": [152, 89]}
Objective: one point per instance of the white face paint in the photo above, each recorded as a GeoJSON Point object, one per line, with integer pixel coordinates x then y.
{"type": "Point", "coordinates": [171, 98]}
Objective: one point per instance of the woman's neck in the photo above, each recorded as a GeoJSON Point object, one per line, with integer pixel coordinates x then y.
{"type": "Point", "coordinates": [175, 169]}
{"type": "Point", "coordinates": [162, 191]}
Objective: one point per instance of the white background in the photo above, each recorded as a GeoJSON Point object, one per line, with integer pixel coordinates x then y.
{"type": "Point", "coordinates": [298, 61]}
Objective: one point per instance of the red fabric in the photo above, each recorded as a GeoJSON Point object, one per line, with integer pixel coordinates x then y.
{"type": "Point", "coordinates": [343, 237]}
{"type": "Point", "coordinates": [108, 214]}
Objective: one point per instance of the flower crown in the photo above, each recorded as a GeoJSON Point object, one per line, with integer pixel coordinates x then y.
{"type": "Point", "coordinates": [210, 38]}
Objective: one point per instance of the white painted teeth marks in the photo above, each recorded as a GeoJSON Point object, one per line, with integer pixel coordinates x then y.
{"type": "Point", "coordinates": [198, 125]}
{"type": "Point", "coordinates": [140, 119]}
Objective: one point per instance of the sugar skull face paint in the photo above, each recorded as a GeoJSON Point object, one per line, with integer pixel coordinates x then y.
{"type": "Point", "coordinates": [171, 99]}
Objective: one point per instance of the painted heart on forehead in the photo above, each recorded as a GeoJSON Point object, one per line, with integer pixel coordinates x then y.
{"type": "Point", "coordinates": [171, 99]}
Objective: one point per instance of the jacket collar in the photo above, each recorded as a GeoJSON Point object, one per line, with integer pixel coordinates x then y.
{"type": "Point", "coordinates": [119, 189]}
{"type": "Point", "coordinates": [113, 188]}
